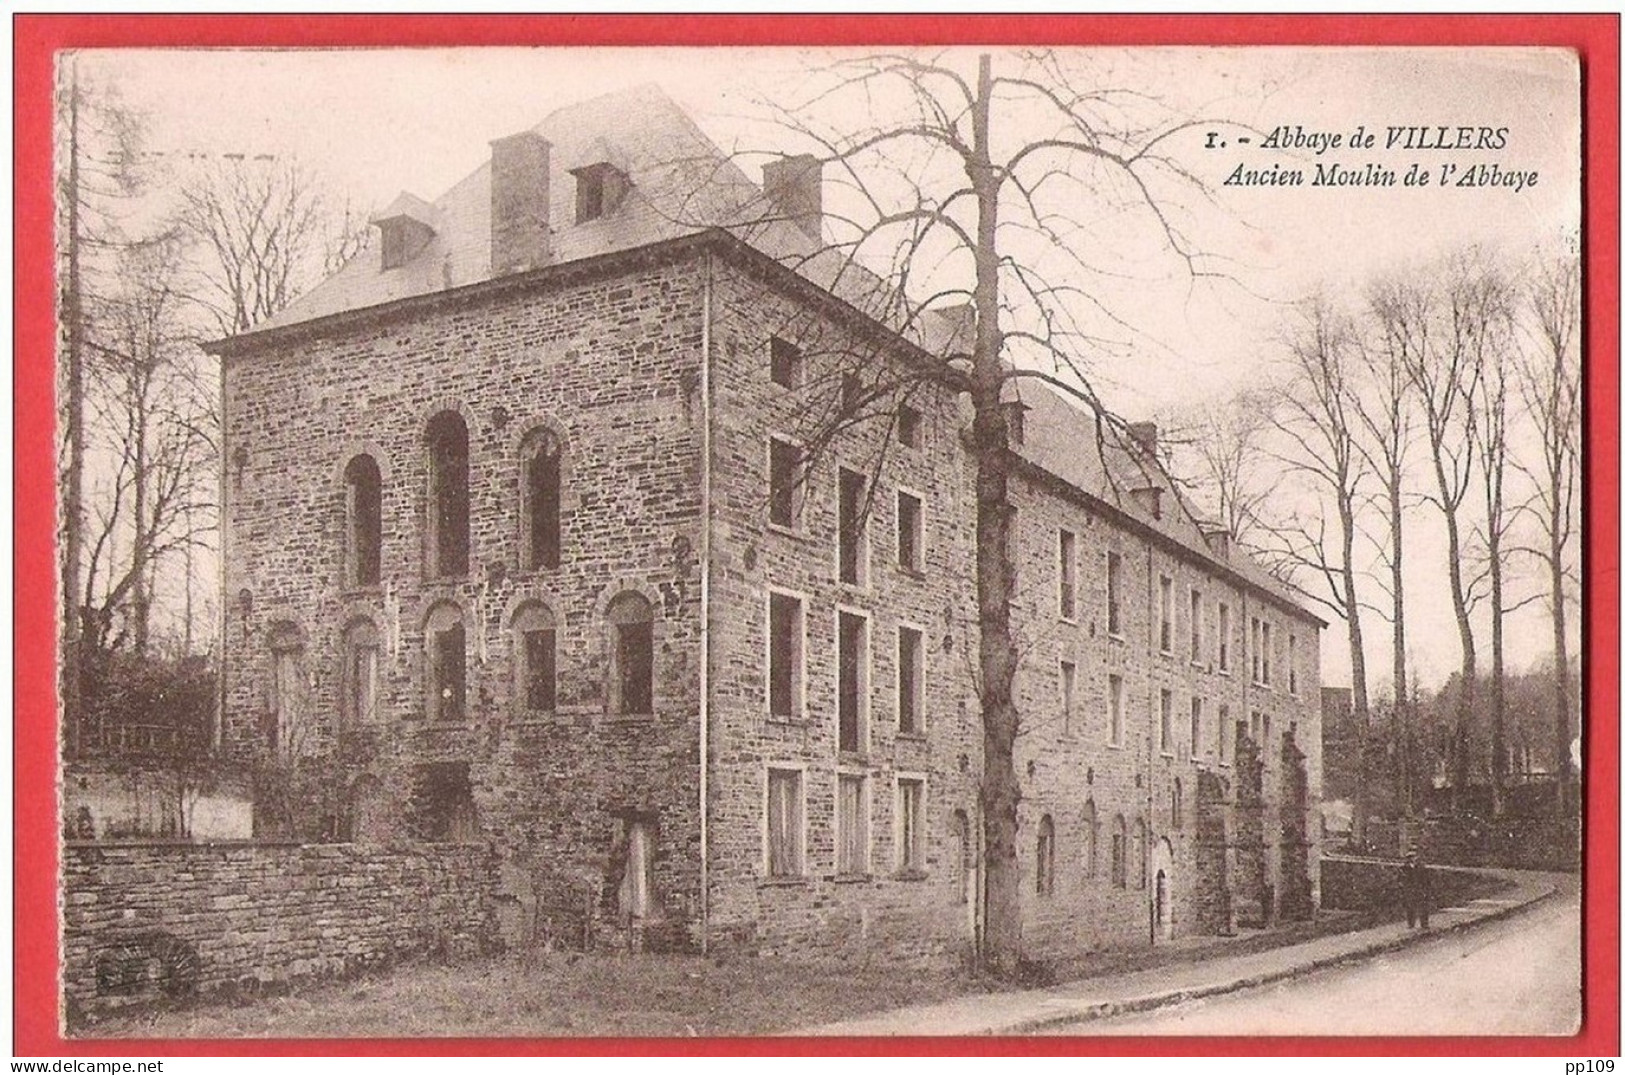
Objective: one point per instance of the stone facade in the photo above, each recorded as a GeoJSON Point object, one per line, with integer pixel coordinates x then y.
{"type": "Point", "coordinates": [653, 367]}
{"type": "Point", "coordinates": [142, 922]}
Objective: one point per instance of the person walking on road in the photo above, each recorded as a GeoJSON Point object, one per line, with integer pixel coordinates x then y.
{"type": "Point", "coordinates": [1418, 890]}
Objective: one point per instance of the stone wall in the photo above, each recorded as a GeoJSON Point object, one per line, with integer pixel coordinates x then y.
{"type": "Point", "coordinates": [609, 365]}
{"type": "Point", "coordinates": [153, 921]}
{"type": "Point", "coordinates": [1378, 886]}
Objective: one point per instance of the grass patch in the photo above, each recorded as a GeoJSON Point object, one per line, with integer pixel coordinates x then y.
{"type": "Point", "coordinates": [555, 994]}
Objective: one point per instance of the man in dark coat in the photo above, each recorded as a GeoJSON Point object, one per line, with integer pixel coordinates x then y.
{"type": "Point", "coordinates": [1418, 889]}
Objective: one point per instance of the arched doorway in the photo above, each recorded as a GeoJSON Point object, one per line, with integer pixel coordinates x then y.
{"type": "Point", "coordinates": [1162, 891]}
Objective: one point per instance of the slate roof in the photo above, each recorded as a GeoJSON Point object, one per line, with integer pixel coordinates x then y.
{"type": "Point", "coordinates": [683, 184]}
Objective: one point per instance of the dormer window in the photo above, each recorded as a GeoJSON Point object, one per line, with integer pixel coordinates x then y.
{"type": "Point", "coordinates": [404, 229]}
{"type": "Point", "coordinates": [599, 190]}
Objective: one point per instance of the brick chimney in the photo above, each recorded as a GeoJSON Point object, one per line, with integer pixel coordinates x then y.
{"type": "Point", "coordinates": [794, 188]}
{"type": "Point", "coordinates": [1218, 538]}
{"type": "Point", "coordinates": [520, 238]}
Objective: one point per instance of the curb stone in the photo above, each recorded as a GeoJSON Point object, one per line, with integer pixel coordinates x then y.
{"type": "Point", "coordinates": [1106, 1009]}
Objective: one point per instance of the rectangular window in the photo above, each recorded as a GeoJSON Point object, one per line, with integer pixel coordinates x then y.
{"type": "Point", "coordinates": [1114, 594]}
{"type": "Point", "coordinates": [784, 477]}
{"type": "Point", "coordinates": [1224, 735]}
{"type": "Point", "coordinates": [1114, 704]}
{"type": "Point", "coordinates": [784, 656]}
{"type": "Point", "coordinates": [1224, 637]}
{"type": "Point", "coordinates": [1196, 727]}
{"type": "Point", "coordinates": [1196, 625]}
{"type": "Point", "coordinates": [908, 426]}
{"type": "Point", "coordinates": [854, 507]}
{"type": "Point", "coordinates": [910, 678]}
{"type": "Point", "coordinates": [785, 362]}
{"type": "Point", "coordinates": [852, 825]}
{"type": "Point", "coordinates": [1292, 664]}
{"type": "Point", "coordinates": [1165, 722]}
{"type": "Point", "coordinates": [852, 698]}
{"type": "Point", "coordinates": [1267, 648]}
{"type": "Point", "coordinates": [909, 552]}
{"type": "Point", "coordinates": [910, 824]}
{"type": "Point", "coordinates": [1069, 680]}
{"type": "Point", "coordinates": [1255, 651]}
{"type": "Point", "coordinates": [541, 672]}
{"type": "Point", "coordinates": [784, 824]}
{"type": "Point", "coordinates": [1165, 614]}
{"type": "Point", "coordinates": [449, 678]}
{"type": "Point", "coordinates": [1069, 575]}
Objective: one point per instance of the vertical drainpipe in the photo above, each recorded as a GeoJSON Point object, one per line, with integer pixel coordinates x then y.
{"type": "Point", "coordinates": [705, 607]}
{"type": "Point", "coordinates": [223, 614]}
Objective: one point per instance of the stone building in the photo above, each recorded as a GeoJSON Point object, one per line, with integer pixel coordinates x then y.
{"type": "Point", "coordinates": [534, 537]}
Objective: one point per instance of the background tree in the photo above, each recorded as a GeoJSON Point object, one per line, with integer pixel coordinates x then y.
{"type": "Point", "coordinates": [98, 171]}
{"type": "Point", "coordinates": [1221, 447]}
{"type": "Point", "coordinates": [1446, 324]}
{"type": "Point", "coordinates": [258, 227]}
{"type": "Point", "coordinates": [1384, 413]}
{"type": "Point", "coordinates": [1492, 445]}
{"type": "Point", "coordinates": [1548, 383]}
{"type": "Point", "coordinates": [150, 437]}
{"type": "Point", "coordinates": [1318, 433]}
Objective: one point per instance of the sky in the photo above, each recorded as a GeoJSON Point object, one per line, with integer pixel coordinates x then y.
{"type": "Point", "coordinates": [376, 122]}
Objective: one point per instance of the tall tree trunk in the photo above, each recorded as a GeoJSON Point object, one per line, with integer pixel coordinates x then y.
{"type": "Point", "coordinates": [1402, 702]}
{"type": "Point", "coordinates": [74, 418]}
{"type": "Point", "coordinates": [1001, 789]}
{"type": "Point", "coordinates": [1469, 651]}
{"type": "Point", "coordinates": [1362, 699]}
{"type": "Point", "coordinates": [1560, 653]}
{"type": "Point", "coordinates": [141, 590]}
{"type": "Point", "coordinates": [1498, 754]}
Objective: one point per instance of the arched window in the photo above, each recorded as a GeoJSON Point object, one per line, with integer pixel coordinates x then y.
{"type": "Point", "coordinates": [1119, 853]}
{"type": "Point", "coordinates": [540, 492]}
{"type": "Point", "coordinates": [447, 657]}
{"type": "Point", "coordinates": [631, 651]}
{"type": "Point", "coordinates": [360, 674]}
{"type": "Point", "coordinates": [1091, 839]}
{"type": "Point", "coordinates": [1045, 873]}
{"type": "Point", "coordinates": [1177, 807]}
{"type": "Point", "coordinates": [1139, 864]}
{"type": "Point", "coordinates": [363, 520]}
{"type": "Point", "coordinates": [535, 659]}
{"type": "Point", "coordinates": [447, 441]}
{"type": "Point", "coordinates": [285, 727]}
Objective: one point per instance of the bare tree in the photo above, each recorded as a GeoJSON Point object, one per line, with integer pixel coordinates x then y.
{"type": "Point", "coordinates": [1385, 412]}
{"type": "Point", "coordinates": [1492, 446]}
{"type": "Point", "coordinates": [1548, 381]}
{"type": "Point", "coordinates": [1451, 326]}
{"type": "Point", "coordinates": [97, 153]}
{"type": "Point", "coordinates": [970, 205]}
{"type": "Point", "coordinates": [150, 429]}
{"type": "Point", "coordinates": [259, 229]}
{"type": "Point", "coordinates": [1319, 430]}
{"type": "Point", "coordinates": [1229, 467]}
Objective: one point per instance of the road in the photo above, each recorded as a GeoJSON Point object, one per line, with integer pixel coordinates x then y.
{"type": "Point", "coordinates": [1519, 975]}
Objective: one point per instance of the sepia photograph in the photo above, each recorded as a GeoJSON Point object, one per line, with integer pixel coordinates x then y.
{"type": "Point", "coordinates": [839, 542]}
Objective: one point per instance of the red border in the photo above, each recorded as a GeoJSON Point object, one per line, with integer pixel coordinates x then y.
{"type": "Point", "coordinates": [37, 38]}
